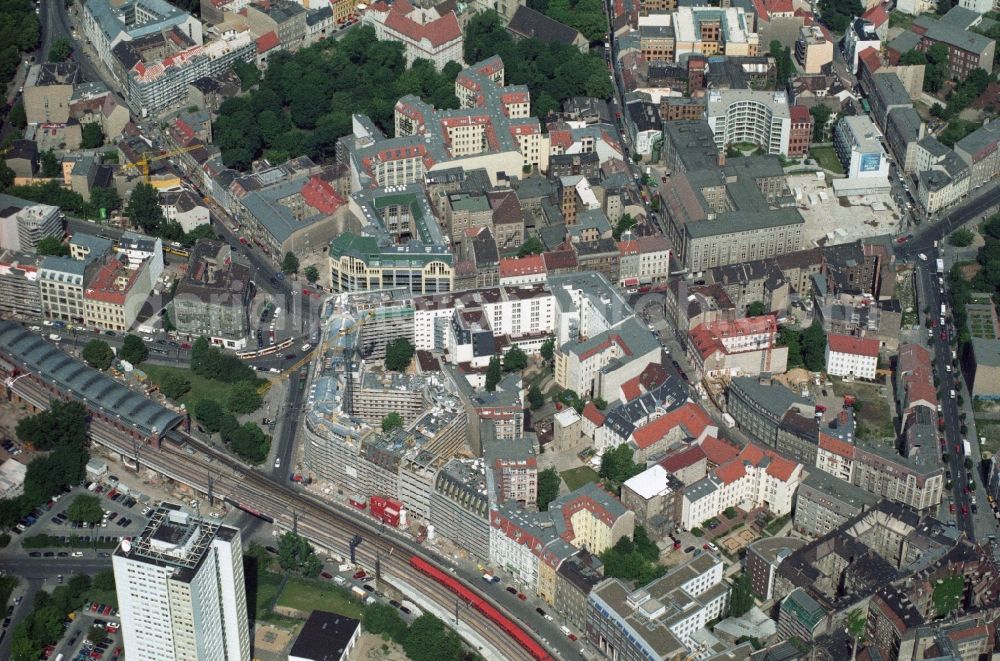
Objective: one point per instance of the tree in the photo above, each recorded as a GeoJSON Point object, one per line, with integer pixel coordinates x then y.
{"type": "Point", "coordinates": [814, 347]}
{"type": "Point", "coordinates": [535, 397]}
{"type": "Point", "coordinates": [60, 50]}
{"type": "Point", "coordinates": [133, 349]}
{"type": "Point", "coordinates": [98, 354]}
{"type": "Point", "coordinates": [391, 421]}
{"type": "Point", "coordinates": [783, 60]}
{"type": "Point", "coordinates": [104, 580]}
{"type": "Point", "coordinates": [857, 621]}
{"type": "Point", "coordinates": [837, 14]}
{"type": "Point", "coordinates": [296, 554]}
{"type": "Point", "coordinates": [50, 165]}
{"type": "Point", "coordinates": [600, 403]}
{"type": "Point", "coordinates": [429, 640]}
{"type": "Point", "coordinates": [548, 488]}
{"type": "Point", "coordinates": [250, 443]}
{"type": "Point", "coordinates": [962, 237]}
{"type": "Point", "coordinates": [384, 619]}
{"type": "Point", "coordinates": [741, 597]}
{"type": "Point", "coordinates": [228, 425]}
{"type": "Point", "coordinates": [312, 274]}
{"type": "Point", "coordinates": [821, 118]}
{"type": "Point", "coordinates": [290, 264]}
{"type": "Point", "coordinates": [624, 224]}
{"type": "Point", "coordinates": [243, 398]}
{"type": "Point", "coordinates": [96, 634]}
{"type": "Point", "coordinates": [791, 338]}
{"type": "Point", "coordinates": [936, 71]}
{"type": "Point", "coordinates": [548, 348]}
{"type": "Point", "coordinates": [174, 385]}
{"type": "Point", "coordinates": [17, 116]}
{"type": "Point", "coordinates": [64, 424]}
{"type": "Point", "coordinates": [51, 245]}
{"type": "Point", "coordinates": [756, 309]}
{"type": "Point", "coordinates": [912, 57]}
{"type": "Point", "coordinates": [398, 354]}
{"type": "Point", "coordinates": [7, 176]}
{"type": "Point", "coordinates": [617, 465]}
{"type": "Point", "coordinates": [493, 374]}
{"type": "Point", "coordinates": [532, 246]}
{"type": "Point", "coordinates": [93, 136]}
{"type": "Point", "coordinates": [85, 508]}
{"type": "Point", "coordinates": [514, 360]}
{"type": "Point", "coordinates": [209, 413]}
{"type": "Point", "coordinates": [103, 201]}
{"type": "Point", "coordinates": [144, 209]}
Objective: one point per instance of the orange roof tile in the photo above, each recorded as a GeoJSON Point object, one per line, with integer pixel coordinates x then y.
{"type": "Point", "coordinates": [836, 446]}
{"type": "Point", "coordinates": [267, 41]}
{"type": "Point", "coordinates": [681, 460]}
{"type": "Point", "coordinates": [690, 417]}
{"type": "Point", "coordinates": [856, 346]}
{"type": "Point", "coordinates": [528, 265]}
{"type": "Point", "coordinates": [592, 413]}
{"type": "Point", "coordinates": [718, 452]}
{"type": "Point", "coordinates": [730, 472]}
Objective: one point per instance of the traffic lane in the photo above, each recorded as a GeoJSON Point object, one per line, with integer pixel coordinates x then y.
{"type": "Point", "coordinates": [289, 427]}
{"type": "Point", "coordinates": [923, 239]}
{"type": "Point", "coordinates": [26, 590]}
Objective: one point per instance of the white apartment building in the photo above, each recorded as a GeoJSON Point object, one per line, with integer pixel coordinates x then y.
{"type": "Point", "coordinates": [758, 117]}
{"type": "Point", "coordinates": [424, 33]}
{"type": "Point", "coordinates": [24, 228]}
{"type": "Point", "coordinates": [658, 620]}
{"type": "Point", "coordinates": [847, 355]}
{"type": "Point", "coordinates": [859, 146]}
{"type": "Point", "coordinates": [526, 311]}
{"type": "Point", "coordinates": [755, 477]}
{"type": "Point", "coordinates": [107, 23]}
{"type": "Point", "coordinates": [181, 590]}
{"type": "Point", "coordinates": [598, 365]}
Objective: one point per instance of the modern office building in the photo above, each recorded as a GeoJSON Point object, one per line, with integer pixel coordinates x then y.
{"type": "Point", "coordinates": [859, 148]}
{"type": "Point", "coordinates": [22, 227]}
{"type": "Point", "coordinates": [749, 116]}
{"type": "Point", "coordinates": [181, 590]}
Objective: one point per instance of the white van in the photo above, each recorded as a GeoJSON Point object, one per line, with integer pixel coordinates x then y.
{"type": "Point", "coordinates": [55, 338]}
{"type": "Point", "coordinates": [953, 394]}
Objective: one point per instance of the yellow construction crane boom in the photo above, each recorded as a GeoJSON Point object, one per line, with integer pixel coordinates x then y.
{"type": "Point", "coordinates": [143, 163]}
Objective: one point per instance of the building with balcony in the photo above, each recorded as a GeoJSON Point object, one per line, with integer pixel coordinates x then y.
{"type": "Point", "coordinates": [749, 116]}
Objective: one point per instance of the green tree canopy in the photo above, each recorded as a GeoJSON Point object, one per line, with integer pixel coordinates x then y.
{"type": "Point", "coordinates": [244, 398]}
{"type": "Point", "coordinates": [548, 488]}
{"type": "Point", "coordinates": [837, 14]}
{"type": "Point", "coordinates": [208, 412]}
{"type": "Point", "coordinates": [296, 554]}
{"type": "Point", "coordinates": [144, 209]}
{"type": "Point", "coordinates": [51, 245]}
{"type": "Point", "coordinates": [311, 273]}
{"type": "Point", "coordinates": [617, 465]}
{"type": "Point", "coordinates": [514, 360]}
{"type": "Point", "coordinates": [93, 136]}
{"type": "Point", "coordinates": [531, 246]}
{"type": "Point", "coordinates": [398, 354]}
{"type": "Point", "coordinates": [493, 374]}
{"type": "Point", "coordinates": [756, 309]}
{"type": "Point", "coordinates": [548, 348]}
{"type": "Point", "coordinates": [624, 224]}
{"type": "Point", "coordinates": [64, 424]}
{"type": "Point", "coordinates": [821, 117]}
{"type": "Point", "coordinates": [85, 508]}
{"type": "Point", "coordinates": [535, 397]}
{"type": "Point", "coordinates": [133, 349]}
{"type": "Point", "coordinates": [384, 619]}
{"type": "Point", "coordinates": [962, 237]}
{"type": "Point", "coordinates": [60, 49]}
{"type": "Point", "coordinates": [741, 597]}
{"type": "Point", "coordinates": [814, 347]}
{"type": "Point", "coordinates": [392, 420]}
{"type": "Point", "coordinates": [429, 640]}
{"type": "Point", "coordinates": [174, 385]}
{"type": "Point", "coordinates": [290, 263]}
{"type": "Point", "coordinates": [98, 354]}
{"type": "Point", "coordinates": [250, 443]}
{"type": "Point", "coordinates": [51, 167]}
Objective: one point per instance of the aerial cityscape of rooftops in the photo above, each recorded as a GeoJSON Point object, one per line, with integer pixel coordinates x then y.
{"type": "Point", "coordinates": [639, 330]}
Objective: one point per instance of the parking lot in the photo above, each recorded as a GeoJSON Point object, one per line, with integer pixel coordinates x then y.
{"type": "Point", "coordinates": [77, 645]}
{"type": "Point", "coordinates": [124, 517]}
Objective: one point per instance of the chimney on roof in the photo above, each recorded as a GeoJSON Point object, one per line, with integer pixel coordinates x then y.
{"type": "Point", "coordinates": [765, 378]}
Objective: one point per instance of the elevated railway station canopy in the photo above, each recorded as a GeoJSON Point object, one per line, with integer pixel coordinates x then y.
{"type": "Point", "coordinates": [28, 353]}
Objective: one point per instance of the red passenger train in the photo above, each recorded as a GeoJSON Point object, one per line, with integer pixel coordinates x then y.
{"type": "Point", "coordinates": [506, 625]}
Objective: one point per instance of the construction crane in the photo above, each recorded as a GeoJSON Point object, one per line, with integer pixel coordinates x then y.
{"type": "Point", "coordinates": [142, 165]}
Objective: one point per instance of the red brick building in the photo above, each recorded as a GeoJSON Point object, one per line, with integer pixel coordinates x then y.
{"type": "Point", "coordinates": [801, 132]}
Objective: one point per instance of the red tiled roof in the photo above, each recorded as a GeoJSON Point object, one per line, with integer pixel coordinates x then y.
{"type": "Point", "coordinates": [630, 389]}
{"type": "Point", "coordinates": [799, 114]}
{"type": "Point", "coordinates": [559, 259]}
{"type": "Point", "coordinates": [777, 466]}
{"type": "Point", "coordinates": [320, 195]}
{"type": "Point", "coordinates": [683, 459]}
{"type": "Point", "coordinates": [836, 446]}
{"type": "Point", "coordinates": [652, 376]}
{"type": "Point", "coordinates": [592, 413]}
{"type": "Point", "coordinates": [438, 32]}
{"type": "Point", "coordinates": [730, 472]}
{"type": "Point", "coordinates": [267, 41]}
{"type": "Point", "coordinates": [718, 452]}
{"type": "Point", "coordinates": [869, 57]}
{"type": "Point", "coordinates": [690, 417]}
{"type": "Point", "coordinates": [877, 15]}
{"type": "Point", "coordinates": [855, 346]}
{"type": "Point", "coordinates": [527, 265]}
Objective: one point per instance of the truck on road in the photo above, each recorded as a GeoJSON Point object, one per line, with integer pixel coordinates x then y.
{"type": "Point", "coordinates": [967, 447]}
{"type": "Point", "coordinates": [940, 266]}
